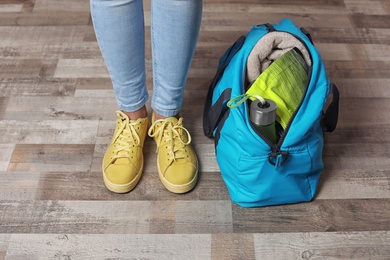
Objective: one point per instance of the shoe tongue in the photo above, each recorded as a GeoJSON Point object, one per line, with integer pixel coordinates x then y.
{"type": "Point", "coordinates": [173, 120]}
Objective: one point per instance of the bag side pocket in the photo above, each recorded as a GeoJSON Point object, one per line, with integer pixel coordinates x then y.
{"type": "Point", "coordinates": [261, 184]}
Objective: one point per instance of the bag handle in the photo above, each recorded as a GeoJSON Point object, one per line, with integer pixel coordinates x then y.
{"type": "Point", "coordinates": [305, 32]}
{"type": "Point", "coordinates": [211, 115]}
{"type": "Point", "coordinates": [331, 114]}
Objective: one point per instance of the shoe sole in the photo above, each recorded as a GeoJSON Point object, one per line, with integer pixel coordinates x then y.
{"type": "Point", "coordinates": [122, 188]}
{"type": "Point", "coordinates": [175, 188]}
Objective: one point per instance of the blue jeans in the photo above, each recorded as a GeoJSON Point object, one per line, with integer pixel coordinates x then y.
{"type": "Point", "coordinates": [119, 28]}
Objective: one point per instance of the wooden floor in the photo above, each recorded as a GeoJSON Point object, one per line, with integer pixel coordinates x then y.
{"type": "Point", "coordinates": [57, 113]}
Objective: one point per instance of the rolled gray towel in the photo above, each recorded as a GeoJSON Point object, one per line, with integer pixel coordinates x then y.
{"type": "Point", "coordinates": [269, 48]}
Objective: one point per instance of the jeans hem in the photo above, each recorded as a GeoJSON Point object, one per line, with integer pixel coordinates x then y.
{"type": "Point", "coordinates": [133, 107]}
{"type": "Point", "coordinates": [165, 112]}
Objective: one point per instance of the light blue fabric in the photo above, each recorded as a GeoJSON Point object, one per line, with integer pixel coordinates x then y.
{"type": "Point", "coordinates": [119, 28]}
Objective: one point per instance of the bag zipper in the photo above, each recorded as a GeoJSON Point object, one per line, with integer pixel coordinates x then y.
{"type": "Point", "coordinates": [276, 147]}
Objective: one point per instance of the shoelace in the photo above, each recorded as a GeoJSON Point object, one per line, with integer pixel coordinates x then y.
{"type": "Point", "coordinates": [126, 137]}
{"type": "Point", "coordinates": [164, 129]}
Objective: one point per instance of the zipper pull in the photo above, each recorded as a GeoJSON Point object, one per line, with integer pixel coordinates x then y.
{"type": "Point", "coordinates": [278, 158]}
{"type": "Point", "coordinates": [238, 100]}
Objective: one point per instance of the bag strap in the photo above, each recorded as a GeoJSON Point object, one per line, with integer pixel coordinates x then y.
{"type": "Point", "coordinates": [212, 115]}
{"type": "Point", "coordinates": [331, 114]}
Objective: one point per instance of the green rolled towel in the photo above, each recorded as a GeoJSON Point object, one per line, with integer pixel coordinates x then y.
{"type": "Point", "coordinates": [284, 82]}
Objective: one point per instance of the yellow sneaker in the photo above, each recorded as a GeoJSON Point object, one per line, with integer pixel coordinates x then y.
{"type": "Point", "coordinates": [177, 163]}
{"type": "Point", "coordinates": [123, 161]}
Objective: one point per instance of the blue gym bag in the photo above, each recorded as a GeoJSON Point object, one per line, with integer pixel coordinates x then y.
{"type": "Point", "coordinates": [256, 171]}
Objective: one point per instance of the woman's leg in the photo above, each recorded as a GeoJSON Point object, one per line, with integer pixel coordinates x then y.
{"type": "Point", "coordinates": [119, 28]}
{"type": "Point", "coordinates": [175, 27]}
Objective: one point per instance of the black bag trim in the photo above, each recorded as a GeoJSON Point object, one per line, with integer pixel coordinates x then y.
{"type": "Point", "coordinates": [209, 126]}
{"type": "Point", "coordinates": [330, 117]}
{"type": "Point", "coordinates": [305, 32]}
{"type": "Point", "coordinates": [217, 110]}
{"type": "Point", "coordinates": [220, 113]}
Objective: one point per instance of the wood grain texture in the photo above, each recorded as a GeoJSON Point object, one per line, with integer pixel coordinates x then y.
{"type": "Point", "coordinates": [57, 115]}
{"type": "Point", "coordinates": [334, 245]}
{"type": "Point", "coordinates": [109, 246]}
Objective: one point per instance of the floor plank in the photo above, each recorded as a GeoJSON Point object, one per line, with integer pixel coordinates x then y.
{"type": "Point", "coordinates": [353, 245]}
{"type": "Point", "coordinates": [59, 246]}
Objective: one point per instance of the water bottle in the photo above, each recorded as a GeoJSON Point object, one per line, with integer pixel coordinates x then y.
{"type": "Point", "coordinates": [263, 118]}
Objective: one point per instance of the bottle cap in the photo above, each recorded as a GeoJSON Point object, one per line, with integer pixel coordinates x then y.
{"type": "Point", "coordinates": [262, 114]}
